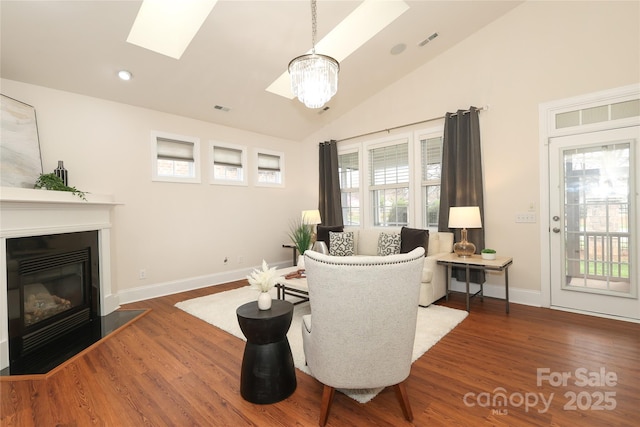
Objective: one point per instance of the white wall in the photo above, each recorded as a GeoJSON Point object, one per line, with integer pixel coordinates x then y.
{"type": "Point", "coordinates": [178, 233]}
{"type": "Point", "coordinates": [540, 51]}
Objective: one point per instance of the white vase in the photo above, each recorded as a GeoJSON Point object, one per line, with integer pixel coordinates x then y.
{"type": "Point", "coordinates": [301, 261]}
{"type": "Point", "coordinates": [264, 301]}
{"type": "Point", "coordinates": [488, 256]}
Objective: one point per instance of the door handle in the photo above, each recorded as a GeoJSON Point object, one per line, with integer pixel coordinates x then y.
{"type": "Point", "coordinates": [556, 230]}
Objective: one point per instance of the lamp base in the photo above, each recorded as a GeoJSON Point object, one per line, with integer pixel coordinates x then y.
{"type": "Point", "coordinates": [464, 248]}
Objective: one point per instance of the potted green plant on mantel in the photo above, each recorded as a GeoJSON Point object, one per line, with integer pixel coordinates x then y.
{"type": "Point", "coordinates": [488, 254]}
{"type": "Point", "coordinates": [300, 234]}
{"type": "Point", "coordinates": [51, 181]}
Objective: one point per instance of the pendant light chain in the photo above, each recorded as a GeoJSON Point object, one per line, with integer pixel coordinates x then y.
{"type": "Point", "coordinates": [314, 77]}
{"type": "Point", "coordinates": [314, 26]}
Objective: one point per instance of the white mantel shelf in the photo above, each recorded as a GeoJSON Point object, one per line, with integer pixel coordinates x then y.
{"type": "Point", "coordinates": [28, 195]}
{"type": "Point", "coordinates": [28, 212]}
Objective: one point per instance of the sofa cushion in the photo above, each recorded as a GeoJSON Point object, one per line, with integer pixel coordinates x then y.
{"type": "Point", "coordinates": [411, 238]}
{"type": "Point", "coordinates": [341, 244]}
{"type": "Point", "coordinates": [388, 243]}
{"type": "Point", "coordinates": [322, 232]}
{"type": "Point", "coordinates": [367, 241]}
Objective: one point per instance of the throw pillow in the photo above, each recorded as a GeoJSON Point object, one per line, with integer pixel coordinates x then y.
{"type": "Point", "coordinates": [411, 238]}
{"type": "Point", "coordinates": [322, 232]}
{"type": "Point", "coordinates": [388, 243]}
{"type": "Point", "coordinates": [341, 244]}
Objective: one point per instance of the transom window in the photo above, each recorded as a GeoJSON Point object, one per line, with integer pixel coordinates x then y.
{"type": "Point", "coordinates": [175, 158]}
{"type": "Point", "coordinates": [270, 168]}
{"type": "Point", "coordinates": [229, 164]}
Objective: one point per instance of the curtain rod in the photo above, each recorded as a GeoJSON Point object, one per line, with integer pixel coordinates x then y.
{"type": "Point", "coordinates": [484, 108]}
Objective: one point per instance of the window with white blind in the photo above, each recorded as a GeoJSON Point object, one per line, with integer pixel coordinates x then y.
{"type": "Point", "coordinates": [175, 158]}
{"type": "Point", "coordinates": [229, 164]}
{"type": "Point", "coordinates": [389, 175]}
{"type": "Point", "coordinates": [270, 168]}
{"type": "Point", "coordinates": [349, 174]}
{"type": "Point", "coordinates": [431, 173]}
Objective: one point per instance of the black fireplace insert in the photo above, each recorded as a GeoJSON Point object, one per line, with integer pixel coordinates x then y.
{"type": "Point", "coordinates": [53, 288]}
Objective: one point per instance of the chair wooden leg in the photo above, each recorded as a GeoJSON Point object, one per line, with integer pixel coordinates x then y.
{"type": "Point", "coordinates": [327, 400]}
{"type": "Point", "coordinates": [403, 398]}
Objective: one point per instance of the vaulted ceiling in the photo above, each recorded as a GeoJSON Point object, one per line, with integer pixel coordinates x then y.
{"type": "Point", "coordinates": [242, 47]}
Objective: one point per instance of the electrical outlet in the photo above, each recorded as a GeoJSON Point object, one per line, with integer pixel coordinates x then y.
{"type": "Point", "coordinates": [142, 274]}
{"type": "Point", "coordinates": [240, 259]}
{"type": "Point", "coordinates": [526, 217]}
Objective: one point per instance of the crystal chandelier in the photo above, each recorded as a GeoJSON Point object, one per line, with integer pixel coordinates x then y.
{"type": "Point", "coordinates": [314, 77]}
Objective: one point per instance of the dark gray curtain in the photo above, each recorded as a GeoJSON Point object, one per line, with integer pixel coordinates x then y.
{"type": "Point", "coordinates": [461, 183]}
{"type": "Point", "coordinates": [329, 204]}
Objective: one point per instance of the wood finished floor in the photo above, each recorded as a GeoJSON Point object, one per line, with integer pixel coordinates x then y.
{"type": "Point", "coordinates": [172, 369]}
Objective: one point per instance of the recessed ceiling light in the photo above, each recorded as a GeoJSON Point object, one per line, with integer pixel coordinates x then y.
{"type": "Point", "coordinates": [125, 75]}
{"type": "Point", "coordinates": [355, 30]}
{"type": "Point", "coordinates": [398, 49]}
{"type": "Point", "coordinates": [168, 26]}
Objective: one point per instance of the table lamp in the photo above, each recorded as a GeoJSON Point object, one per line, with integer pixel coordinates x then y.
{"type": "Point", "coordinates": [464, 217]}
{"type": "Point", "coordinates": [312, 217]}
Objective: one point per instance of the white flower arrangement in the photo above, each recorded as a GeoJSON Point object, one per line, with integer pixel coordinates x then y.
{"type": "Point", "coordinates": [265, 279]}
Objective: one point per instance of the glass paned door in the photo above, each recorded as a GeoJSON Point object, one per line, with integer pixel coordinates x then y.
{"type": "Point", "coordinates": [596, 195]}
{"type": "Point", "coordinates": [594, 222]}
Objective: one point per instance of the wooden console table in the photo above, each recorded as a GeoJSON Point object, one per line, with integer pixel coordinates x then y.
{"type": "Point", "coordinates": [476, 262]}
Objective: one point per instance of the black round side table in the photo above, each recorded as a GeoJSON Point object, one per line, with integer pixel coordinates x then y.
{"type": "Point", "coordinates": [268, 374]}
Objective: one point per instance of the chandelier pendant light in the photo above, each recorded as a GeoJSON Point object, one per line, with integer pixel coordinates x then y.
{"type": "Point", "coordinates": [314, 77]}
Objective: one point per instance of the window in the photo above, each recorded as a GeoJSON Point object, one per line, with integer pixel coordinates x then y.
{"type": "Point", "coordinates": [270, 169]}
{"type": "Point", "coordinates": [431, 173]}
{"type": "Point", "coordinates": [175, 158]}
{"type": "Point", "coordinates": [229, 164]}
{"type": "Point", "coordinates": [349, 174]}
{"type": "Point", "coordinates": [400, 181]}
{"type": "Point", "coordinates": [389, 184]}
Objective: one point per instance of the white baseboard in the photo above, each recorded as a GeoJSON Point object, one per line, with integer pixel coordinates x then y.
{"type": "Point", "coordinates": [516, 295]}
{"type": "Point", "coordinates": [169, 288]}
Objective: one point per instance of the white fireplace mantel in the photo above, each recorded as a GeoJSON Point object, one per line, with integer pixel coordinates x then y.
{"type": "Point", "coordinates": [28, 212]}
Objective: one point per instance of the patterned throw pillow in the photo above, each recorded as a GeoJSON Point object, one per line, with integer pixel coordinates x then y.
{"type": "Point", "coordinates": [341, 244]}
{"type": "Point", "coordinates": [388, 244]}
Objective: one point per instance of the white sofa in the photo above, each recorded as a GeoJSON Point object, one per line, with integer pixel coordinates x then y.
{"type": "Point", "coordinates": [433, 285]}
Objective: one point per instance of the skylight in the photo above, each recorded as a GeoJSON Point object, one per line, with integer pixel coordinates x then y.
{"type": "Point", "coordinates": [168, 26]}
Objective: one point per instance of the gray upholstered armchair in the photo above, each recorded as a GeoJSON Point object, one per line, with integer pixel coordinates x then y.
{"type": "Point", "coordinates": [363, 322]}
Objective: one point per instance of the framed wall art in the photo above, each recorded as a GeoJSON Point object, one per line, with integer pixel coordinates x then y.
{"type": "Point", "coordinates": [20, 159]}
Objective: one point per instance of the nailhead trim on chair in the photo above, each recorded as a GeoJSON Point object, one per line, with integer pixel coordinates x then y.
{"type": "Point", "coordinates": [363, 264]}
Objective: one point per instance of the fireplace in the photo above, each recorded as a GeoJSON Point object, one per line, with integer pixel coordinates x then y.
{"type": "Point", "coordinates": [53, 287]}
{"type": "Point", "coordinates": [44, 216]}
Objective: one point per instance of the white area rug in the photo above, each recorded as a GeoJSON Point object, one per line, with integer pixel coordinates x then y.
{"type": "Point", "coordinates": [434, 322]}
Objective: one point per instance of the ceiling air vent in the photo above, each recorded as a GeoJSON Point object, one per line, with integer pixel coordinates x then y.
{"type": "Point", "coordinates": [221, 108]}
{"type": "Point", "coordinates": [428, 39]}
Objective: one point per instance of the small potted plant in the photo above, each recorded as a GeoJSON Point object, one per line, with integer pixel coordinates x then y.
{"type": "Point", "coordinates": [301, 234]}
{"type": "Point", "coordinates": [263, 280]}
{"type": "Point", "coordinates": [51, 181]}
{"type": "Point", "coordinates": [488, 253]}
